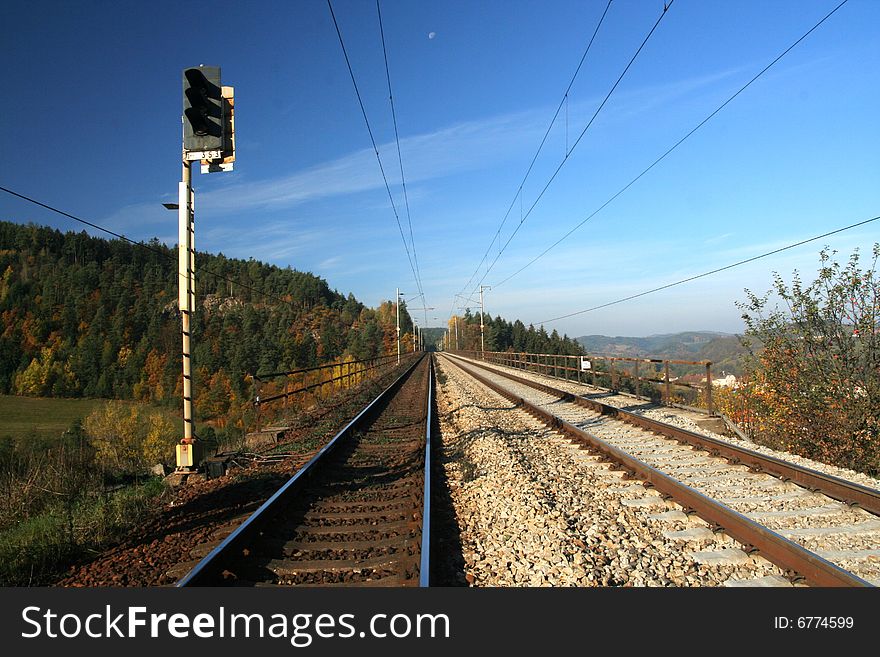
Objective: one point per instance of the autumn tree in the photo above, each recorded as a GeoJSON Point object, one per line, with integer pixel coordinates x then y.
{"type": "Point", "coordinates": [815, 381]}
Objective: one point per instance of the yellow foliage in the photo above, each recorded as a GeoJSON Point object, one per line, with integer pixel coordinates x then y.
{"type": "Point", "coordinates": [150, 387]}
{"type": "Point", "coordinates": [130, 437]}
{"type": "Point", "coordinates": [32, 381]}
{"type": "Point", "coordinates": [160, 439]}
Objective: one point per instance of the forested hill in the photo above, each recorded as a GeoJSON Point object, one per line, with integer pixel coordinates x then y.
{"type": "Point", "coordinates": [84, 316]}
{"type": "Point", "coordinates": [500, 334]}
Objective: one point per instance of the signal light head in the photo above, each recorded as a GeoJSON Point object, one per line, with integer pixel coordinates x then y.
{"type": "Point", "coordinates": [203, 122]}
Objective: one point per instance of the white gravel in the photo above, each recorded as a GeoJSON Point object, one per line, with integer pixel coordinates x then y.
{"type": "Point", "coordinates": [534, 510]}
{"type": "Point", "coordinates": [685, 419]}
{"type": "Point", "coordinates": [848, 536]}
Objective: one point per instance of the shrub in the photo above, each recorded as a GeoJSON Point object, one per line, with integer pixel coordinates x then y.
{"type": "Point", "coordinates": [814, 387]}
{"type": "Point", "coordinates": [129, 438]}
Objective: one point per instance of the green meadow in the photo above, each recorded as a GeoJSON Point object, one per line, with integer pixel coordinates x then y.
{"type": "Point", "coordinates": [44, 417]}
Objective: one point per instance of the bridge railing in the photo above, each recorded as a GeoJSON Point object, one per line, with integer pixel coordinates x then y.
{"type": "Point", "coordinates": [645, 377]}
{"type": "Point", "coordinates": [276, 392]}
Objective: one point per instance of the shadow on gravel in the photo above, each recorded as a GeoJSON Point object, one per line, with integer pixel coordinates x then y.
{"type": "Point", "coordinates": [643, 406]}
{"type": "Point", "coordinates": [598, 395]}
{"type": "Point", "coordinates": [215, 507]}
{"type": "Point", "coordinates": [449, 414]}
{"type": "Point", "coordinates": [634, 408]}
{"type": "Point", "coordinates": [447, 561]}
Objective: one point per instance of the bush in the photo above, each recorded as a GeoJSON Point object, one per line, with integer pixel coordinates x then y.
{"type": "Point", "coordinates": [129, 438]}
{"type": "Point", "coordinates": [814, 388]}
{"type": "Point", "coordinates": [37, 550]}
{"type": "Point", "coordinates": [54, 506]}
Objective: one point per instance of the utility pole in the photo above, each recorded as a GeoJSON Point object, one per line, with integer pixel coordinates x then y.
{"type": "Point", "coordinates": [455, 317]}
{"type": "Point", "coordinates": [482, 339]}
{"type": "Point", "coordinates": [187, 451]}
{"type": "Point", "coordinates": [397, 303]}
{"type": "Point", "coordinates": [425, 309]}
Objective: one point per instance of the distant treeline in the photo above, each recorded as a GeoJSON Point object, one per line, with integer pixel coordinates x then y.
{"type": "Point", "coordinates": [85, 316]}
{"type": "Point", "coordinates": [502, 335]}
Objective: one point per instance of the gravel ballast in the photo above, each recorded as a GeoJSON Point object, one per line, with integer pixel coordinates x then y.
{"type": "Point", "coordinates": [535, 510]}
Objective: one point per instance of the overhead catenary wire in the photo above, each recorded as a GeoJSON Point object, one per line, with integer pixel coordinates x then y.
{"type": "Point", "coordinates": [147, 247]}
{"type": "Point", "coordinates": [666, 8]}
{"type": "Point", "coordinates": [83, 221]}
{"type": "Point", "coordinates": [375, 148]}
{"type": "Point", "coordinates": [563, 101]}
{"type": "Point", "coordinates": [412, 240]}
{"type": "Point", "coordinates": [672, 148]}
{"type": "Point", "coordinates": [714, 271]}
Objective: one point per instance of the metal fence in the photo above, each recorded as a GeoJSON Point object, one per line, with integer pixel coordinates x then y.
{"type": "Point", "coordinates": [646, 377]}
{"type": "Point", "coordinates": [276, 392]}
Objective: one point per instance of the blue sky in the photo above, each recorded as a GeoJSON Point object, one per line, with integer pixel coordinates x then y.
{"type": "Point", "coordinates": [90, 123]}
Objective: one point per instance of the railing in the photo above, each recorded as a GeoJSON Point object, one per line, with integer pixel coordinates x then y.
{"type": "Point", "coordinates": [635, 371]}
{"type": "Point", "coordinates": [311, 385]}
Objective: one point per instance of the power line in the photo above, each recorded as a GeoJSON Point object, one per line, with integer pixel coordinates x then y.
{"type": "Point", "coordinates": [399, 156]}
{"type": "Point", "coordinates": [676, 145]}
{"type": "Point", "coordinates": [577, 141]}
{"type": "Point", "coordinates": [714, 271]}
{"type": "Point", "coordinates": [373, 141]}
{"type": "Point", "coordinates": [540, 146]}
{"type": "Point", "coordinates": [87, 223]}
{"type": "Point", "coordinates": [142, 245]}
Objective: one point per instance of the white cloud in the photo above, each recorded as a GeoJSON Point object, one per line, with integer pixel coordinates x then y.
{"type": "Point", "coordinates": [717, 238]}
{"type": "Point", "coordinates": [131, 218]}
{"type": "Point", "coordinates": [460, 147]}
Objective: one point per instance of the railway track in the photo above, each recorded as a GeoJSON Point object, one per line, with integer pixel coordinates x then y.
{"type": "Point", "coordinates": [821, 530]}
{"type": "Point", "coordinates": [358, 514]}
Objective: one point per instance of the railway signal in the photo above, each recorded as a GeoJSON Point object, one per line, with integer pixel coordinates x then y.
{"type": "Point", "coordinates": [203, 120]}
{"type": "Point", "coordinates": [208, 137]}
{"type": "Point", "coordinates": [482, 339]}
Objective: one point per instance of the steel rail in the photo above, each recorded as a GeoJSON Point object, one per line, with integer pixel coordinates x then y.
{"type": "Point", "coordinates": [786, 554]}
{"type": "Point", "coordinates": [425, 564]}
{"type": "Point", "coordinates": [215, 560]}
{"type": "Point", "coordinates": [844, 491]}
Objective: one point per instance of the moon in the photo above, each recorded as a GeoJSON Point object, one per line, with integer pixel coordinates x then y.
{"type": "Point", "coordinates": [431, 35]}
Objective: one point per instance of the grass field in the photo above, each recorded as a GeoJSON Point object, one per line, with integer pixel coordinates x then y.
{"type": "Point", "coordinates": [20, 416]}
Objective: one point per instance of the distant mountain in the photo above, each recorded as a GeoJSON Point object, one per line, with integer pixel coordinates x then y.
{"type": "Point", "coordinates": [723, 349]}
{"type": "Point", "coordinates": [669, 345]}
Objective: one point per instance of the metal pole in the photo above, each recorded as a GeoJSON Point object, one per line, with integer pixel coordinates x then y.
{"type": "Point", "coordinates": [482, 341]}
{"type": "Point", "coordinates": [186, 456]}
{"type": "Point", "coordinates": [668, 390]}
{"type": "Point", "coordinates": [257, 404]}
{"type": "Point", "coordinates": [455, 317]}
{"type": "Point", "coordinates": [397, 299]}
{"type": "Point", "coordinates": [709, 388]}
